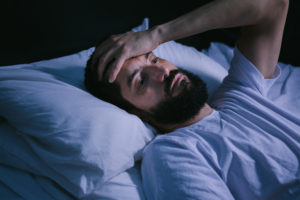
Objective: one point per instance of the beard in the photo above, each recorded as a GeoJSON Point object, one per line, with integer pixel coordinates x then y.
{"type": "Point", "coordinates": [184, 106]}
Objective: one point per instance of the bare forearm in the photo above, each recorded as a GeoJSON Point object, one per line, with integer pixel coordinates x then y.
{"type": "Point", "coordinates": [214, 15]}
{"type": "Point", "coordinates": [262, 15]}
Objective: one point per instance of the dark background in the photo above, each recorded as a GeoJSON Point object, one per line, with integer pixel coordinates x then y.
{"type": "Point", "coordinates": [34, 30]}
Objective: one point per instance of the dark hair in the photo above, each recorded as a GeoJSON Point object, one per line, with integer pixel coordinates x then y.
{"type": "Point", "coordinates": [109, 92]}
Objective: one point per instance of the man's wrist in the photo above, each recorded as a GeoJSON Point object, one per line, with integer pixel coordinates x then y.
{"type": "Point", "coordinates": [157, 34]}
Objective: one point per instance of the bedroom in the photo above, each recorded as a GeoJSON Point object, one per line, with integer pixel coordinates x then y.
{"type": "Point", "coordinates": [61, 148]}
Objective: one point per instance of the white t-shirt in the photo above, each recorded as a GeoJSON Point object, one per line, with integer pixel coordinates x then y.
{"type": "Point", "coordinates": [247, 148]}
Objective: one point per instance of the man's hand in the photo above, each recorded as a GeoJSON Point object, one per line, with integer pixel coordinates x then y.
{"type": "Point", "coordinates": [113, 52]}
{"type": "Point", "coordinates": [262, 22]}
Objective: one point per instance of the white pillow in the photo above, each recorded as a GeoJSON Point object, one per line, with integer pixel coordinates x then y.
{"type": "Point", "coordinates": [82, 141]}
{"type": "Point", "coordinates": [20, 166]}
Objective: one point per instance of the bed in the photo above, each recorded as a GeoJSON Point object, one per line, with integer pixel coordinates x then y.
{"type": "Point", "coordinates": [60, 142]}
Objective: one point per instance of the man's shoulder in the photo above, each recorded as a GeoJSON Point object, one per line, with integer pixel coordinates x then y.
{"type": "Point", "coordinates": [178, 139]}
{"type": "Point", "coordinates": [186, 137]}
{"type": "Point", "coordinates": [174, 139]}
{"type": "Point", "coordinates": [167, 138]}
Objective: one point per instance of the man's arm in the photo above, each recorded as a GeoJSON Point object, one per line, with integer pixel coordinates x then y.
{"type": "Point", "coordinates": [261, 42]}
{"type": "Point", "coordinates": [263, 21]}
{"type": "Point", "coordinates": [262, 24]}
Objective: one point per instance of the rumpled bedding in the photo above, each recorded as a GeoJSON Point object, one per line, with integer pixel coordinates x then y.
{"type": "Point", "coordinates": [18, 180]}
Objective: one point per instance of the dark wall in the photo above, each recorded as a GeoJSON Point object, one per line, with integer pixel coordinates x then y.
{"type": "Point", "coordinates": [40, 29]}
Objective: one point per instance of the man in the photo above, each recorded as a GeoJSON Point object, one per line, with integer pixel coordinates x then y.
{"type": "Point", "coordinates": [248, 145]}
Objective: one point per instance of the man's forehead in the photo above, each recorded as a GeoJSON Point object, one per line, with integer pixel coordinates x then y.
{"type": "Point", "coordinates": [132, 65]}
{"type": "Point", "coordinates": [128, 68]}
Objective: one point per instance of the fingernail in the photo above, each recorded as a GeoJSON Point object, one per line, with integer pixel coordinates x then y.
{"type": "Point", "coordinates": [110, 80]}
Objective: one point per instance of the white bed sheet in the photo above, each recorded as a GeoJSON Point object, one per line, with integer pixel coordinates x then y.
{"type": "Point", "coordinates": [22, 170]}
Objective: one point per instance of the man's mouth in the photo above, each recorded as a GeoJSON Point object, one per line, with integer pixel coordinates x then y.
{"type": "Point", "coordinates": [175, 87]}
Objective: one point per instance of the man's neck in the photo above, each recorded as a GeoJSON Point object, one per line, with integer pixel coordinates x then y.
{"type": "Point", "coordinates": [205, 111]}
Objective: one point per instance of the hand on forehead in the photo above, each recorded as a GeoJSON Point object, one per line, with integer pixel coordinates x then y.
{"type": "Point", "coordinates": [110, 55]}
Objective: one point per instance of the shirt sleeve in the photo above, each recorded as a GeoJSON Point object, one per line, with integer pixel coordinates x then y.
{"type": "Point", "coordinates": [176, 170]}
{"type": "Point", "coordinates": [243, 72]}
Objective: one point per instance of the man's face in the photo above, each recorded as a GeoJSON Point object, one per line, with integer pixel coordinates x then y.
{"type": "Point", "coordinates": [156, 86]}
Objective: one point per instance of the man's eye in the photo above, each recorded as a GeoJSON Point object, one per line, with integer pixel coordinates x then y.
{"type": "Point", "coordinates": [154, 61]}
{"type": "Point", "coordinates": [141, 81]}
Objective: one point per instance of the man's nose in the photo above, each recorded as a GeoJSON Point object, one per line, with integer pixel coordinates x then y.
{"type": "Point", "coordinates": [158, 73]}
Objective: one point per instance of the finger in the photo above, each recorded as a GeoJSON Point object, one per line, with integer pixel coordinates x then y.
{"type": "Point", "coordinates": [106, 44]}
{"type": "Point", "coordinates": [100, 53]}
{"type": "Point", "coordinates": [102, 64]}
{"type": "Point", "coordinates": [104, 53]}
{"type": "Point", "coordinates": [114, 69]}
{"type": "Point", "coordinates": [101, 49]}
{"type": "Point", "coordinates": [95, 62]}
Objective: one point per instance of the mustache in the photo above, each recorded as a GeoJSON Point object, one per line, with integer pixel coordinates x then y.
{"type": "Point", "coordinates": [169, 80]}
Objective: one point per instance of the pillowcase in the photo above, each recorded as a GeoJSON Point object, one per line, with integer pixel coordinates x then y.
{"type": "Point", "coordinates": [19, 169]}
{"type": "Point", "coordinates": [81, 141]}
{"type": "Point", "coordinates": [26, 175]}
